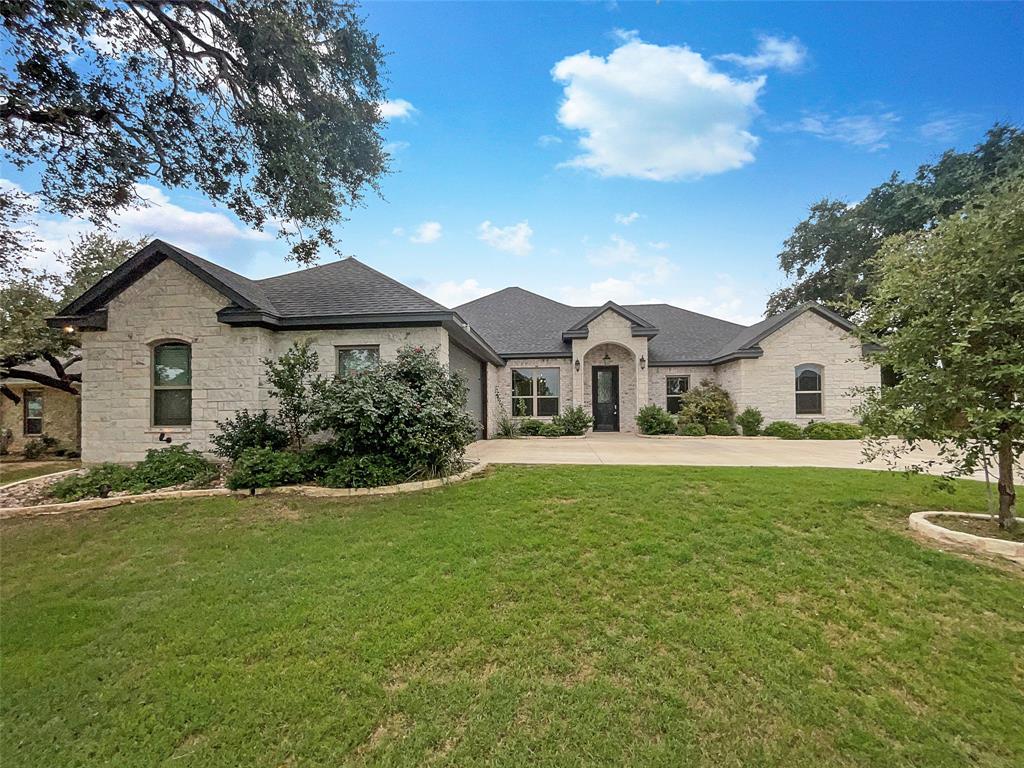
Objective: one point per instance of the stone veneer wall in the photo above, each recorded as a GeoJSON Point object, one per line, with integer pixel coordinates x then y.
{"type": "Point", "coordinates": [656, 376]}
{"type": "Point", "coordinates": [60, 417]}
{"type": "Point", "coordinates": [169, 303]}
{"type": "Point", "coordinates": [768, 382]}
{"type": "Point", "coordinates": [626, 363]}
{"type": "Point", "coordinates": [499, 385]}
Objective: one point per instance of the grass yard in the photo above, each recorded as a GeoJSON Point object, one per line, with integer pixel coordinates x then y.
{"type": "Point", "coordinates": [11, 471]}
{"type": "Point", "coordinates": [572, 616]}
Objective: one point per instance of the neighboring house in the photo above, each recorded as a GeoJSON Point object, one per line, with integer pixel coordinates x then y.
{"type": "Point", "coordinates": [172, 343]}
{"type": "Point", "coordinates": [40, 410]}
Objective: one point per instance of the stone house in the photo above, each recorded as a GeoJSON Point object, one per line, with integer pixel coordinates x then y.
{"type": "Point", "coordinates": [39, 410]}
{"type": "Point", "coordinates": [172, 343]}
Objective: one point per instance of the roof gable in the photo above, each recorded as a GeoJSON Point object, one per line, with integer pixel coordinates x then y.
{"type": "Point", "coordinates": [749, 338]}
{"type": "Point", "coordinates": [640, 326]}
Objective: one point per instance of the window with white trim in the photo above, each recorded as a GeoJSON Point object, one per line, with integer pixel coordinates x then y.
{"type": "Point", "coordinates": [33, 405]}
{"type": "Point", "coordinates": [675, 388]}
{"type": "Point", "coordinates": [352, 360]}
{"type": "Point", "coordinates": [808, 390]}
{"type": "Point", "coordinates": [535, 391]}
{"type": "Point", "coordinates": [172, 384]}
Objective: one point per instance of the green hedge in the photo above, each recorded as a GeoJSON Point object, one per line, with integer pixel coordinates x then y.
{"type": "Point", "coordinates": [833, 430]}
{"type": "Point", "coordinates": [162, 468]}
{"type": "Point", "coordinates": [787, 430]}
{"type": "Point", "coordinates": [655, 420]}
{"type": "Point", "coordinates": [691, 429]}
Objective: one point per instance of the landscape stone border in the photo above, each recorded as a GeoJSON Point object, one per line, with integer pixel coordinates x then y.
{"type": "Point", "coordinates": [5, 486]}
{"type": "Point", "coordinates": [1012, 550]}
{"type": "Point", "coordinates": [316, 491]}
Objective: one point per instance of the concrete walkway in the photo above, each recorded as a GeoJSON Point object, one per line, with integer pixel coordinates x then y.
{"type": "Point", "coordinates": [614, 448]}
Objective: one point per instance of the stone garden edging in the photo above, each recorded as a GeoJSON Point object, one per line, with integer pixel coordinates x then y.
{"type": "Point", "coordinates": [5, 486]}
{"type": "Point", "coordinates": [1012, 550]}
{"type": "Point", "coordinates": [316, 491]}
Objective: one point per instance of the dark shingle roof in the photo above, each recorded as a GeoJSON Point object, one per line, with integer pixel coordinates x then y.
{"type": "Point", "coordinates": [517, 322]}
{"type": "Point", "coordinates": [346, 287]}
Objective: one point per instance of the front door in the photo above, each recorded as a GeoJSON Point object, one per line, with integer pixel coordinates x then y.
{"type": "Point", "coordinates": [605, 393]}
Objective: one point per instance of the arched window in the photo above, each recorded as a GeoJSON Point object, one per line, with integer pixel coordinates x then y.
{"type": "Point", "coordinates": [808, 390]}
{"type": "Point", "coordinates": [172, 384]}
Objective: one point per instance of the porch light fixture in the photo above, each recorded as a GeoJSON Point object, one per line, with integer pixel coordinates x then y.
{"type": "Point", "coordinates": [577, 365]}
{"type": "Point", "coordinates": [643, 362]}
{"type": "Point", "coordinates": [69, 329]}
{"type": "Point", "coordinates": [606, 359]}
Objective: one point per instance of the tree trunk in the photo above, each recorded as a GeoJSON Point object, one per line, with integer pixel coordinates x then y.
{"type": "Point", "coordinates": [1007, 494]}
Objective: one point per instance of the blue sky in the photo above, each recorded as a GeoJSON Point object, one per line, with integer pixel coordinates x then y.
{"type": "Point", "coordinates": [636, 152]}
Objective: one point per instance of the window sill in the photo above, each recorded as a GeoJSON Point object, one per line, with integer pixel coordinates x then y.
{"type": "Point", "coordinates": [168, 430]}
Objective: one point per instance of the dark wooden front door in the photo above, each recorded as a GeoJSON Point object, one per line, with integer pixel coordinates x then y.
{"type": "Point", "coordinates": [605, 393]}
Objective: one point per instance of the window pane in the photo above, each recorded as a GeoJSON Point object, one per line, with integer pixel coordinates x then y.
{"type": "Point", "coordinates": [172, 407]}
{"type": "Point", "coordinates": [547, 382]}
{"type": "Point", "coordinates": [33, 426]}
{"type": "Point", "coordinates": [171, 365]}
{"type": "Point", "coordinates": [808, 380]}
{"type": "Point", "coordinates": [33, 406]}
{"type": "Point", "coordinates": [807, 402]}
{"type": "Point", "coordinates": [547, 406]}
{"type": "Point", "coordinates": [354, 360]}
{"type": "Point", "coordinates": [677, 385]}
{"type": "Point", "coordinates": [673, 403]}
{"type": "Point", "coordinates": [522, 406]}
{"type": "Point", "coordinates": [522, 383]}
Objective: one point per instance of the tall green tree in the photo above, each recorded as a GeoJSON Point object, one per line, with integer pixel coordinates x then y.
{"type": "Point", "coordinates": [26, 302]}
{"type": "Point", "coordinates": [950, 303]}
{"type": "Point", "coordinates": [270, 107]}
{"type": "Point", "coordinates": [830, 254]}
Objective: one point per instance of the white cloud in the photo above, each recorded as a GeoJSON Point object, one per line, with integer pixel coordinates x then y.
{"type": "Point", "coordinates": [397, 109]}
{"type": "Point", "coordinates": [650, 274]}
{"type": "Point", "coordinates": [514, 238]}
{"type": "Point", "coordinates": [394, 147]}
{"type": "Point", "coordinates": [868, 131]}
{"type": "Point", "coordinates": [656, 112]}
{"type": "Point", "coordinates": [427, 232]}
{"type": "Point", "coordinates": [772, 53]}
{"type": "Point", "coordinates": [944, 128]}
{"type": "Point", "coordinates": [625, 219]}
{"type": "Point", "coordinates": [618, 251]}
{"type": "Point", "coordinates": [548, 140]}
{"type": "Point", "coordinates": [659, 245]}
{"type": "Point", "coordinates": [452, 293]}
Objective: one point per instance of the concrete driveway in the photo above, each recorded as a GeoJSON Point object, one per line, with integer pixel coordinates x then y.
{"type": "Point", "coordinates": [613, 448]}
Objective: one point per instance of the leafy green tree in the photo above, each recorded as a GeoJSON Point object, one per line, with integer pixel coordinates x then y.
{"type": "Point", "coordinates": [291, 377]}
{"type": "Point", "coordinates": [830, 254]}
{"type": "Point", "coordinates": [268, 106]}
{"type": "Point", "coordinates": [28, 299]}
{"type": "Point", "coordinates": [950, 302]}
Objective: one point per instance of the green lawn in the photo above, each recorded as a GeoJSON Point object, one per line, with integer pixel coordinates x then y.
{"type": "Point", "coordinates": [11, 472]}
{"type": "Point", "coordinates": [544, 616]}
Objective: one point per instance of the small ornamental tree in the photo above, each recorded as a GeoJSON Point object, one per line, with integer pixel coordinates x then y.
{"type": "Point", "coordinates": [706, 403]}
{"type": "Point", "coordinates": [950, 305]}
{"type": "Point", "coordinates": [290, 377]}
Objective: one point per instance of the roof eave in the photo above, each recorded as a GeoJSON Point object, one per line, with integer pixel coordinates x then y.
{"type": "Point", "coordinates": [87, 321]}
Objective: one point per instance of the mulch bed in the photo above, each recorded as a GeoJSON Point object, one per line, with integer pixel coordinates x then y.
{"type": "Point", "coordinates": [979, 527]}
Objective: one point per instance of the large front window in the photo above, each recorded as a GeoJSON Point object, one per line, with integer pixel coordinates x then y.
{"type": "Point", "coordinates": [352, 360]}
{"type": "Point", "coordinates": [675, 388]}
{"type": "Point", "coordinates": [33, 400]}
{"type": "Point", "coordinates": [172, 385]}
{"type": "Point", "coordinates": [535, 392]}
{"type": "Point", "coordinates": [808, 390]}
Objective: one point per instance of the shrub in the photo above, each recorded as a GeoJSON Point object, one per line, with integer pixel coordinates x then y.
{"type": "Point", "coordinates": [787, 430]}
{"type": "Point", "coordinates": [174, 465]}
{"type": "Point", "coordinates": [655, 420]}
{"type": "Point", "coordinates": [721, 428]}
{"type": "Point", "coordinates": [530, 427]}
{"type": "Point", "coordinates": [99, 481]}
{"type": "Point", "coordinates": [33, 449]}
{"type": "Point", "coordinates": [60, 452]}
{"type": "Point", "coordinates": [291, 378]}
{"type": "Point", "coordinates": [750, 421]}
{"type": "Point", "coordinates": [248, 430]}
{"type": "Point", "coordinates": [362, 472]}
{"type": "Point", "coordinates": [574, 420]}
{"type": "Point", "coordinates": [73, 454]}
{"type": "Point", "coordinates": [49, 443]}
{"type": "Point", "coordinates": [411, 410]}
{"type": "Point", "coordinates": [6, 438]}
{"type": "Point", "coordinates": [551, 430]}
{"type": "Point", "coordinates": [705, 403]}
{"type": "Point", "coordinates": [266, 468]}
{"type": "Point", "coordinates": [833, 430]}
{"type": "Point", "coordinates": [691, 429]}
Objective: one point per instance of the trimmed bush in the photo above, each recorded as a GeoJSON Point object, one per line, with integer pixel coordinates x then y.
{"type": "Point", "coordinates": [266, 468]}
{"type": "Point", "coordinates": [786, 430]}
{"type": "Point", "coordinates": [721, 428]}
{"type": "Point", "coordinates": [362, 472]}
{"type": "Point", "coordinates": [705, 403]}
{"type": "Point", "coordinates": [33, 449]}
{"type": "Point", "coordinates": [530, 427]}
{"type": "Point", "coordinates": [162, 468]}
{"type": "Point", "coordinates": [248, 430]}
{"type": "Point", "coordinates": [750, 421]}
{"type": "Point", "coordinates": [551, 430]}
{"type": "Point", "coordinates": [73, 454]}
{"type": "Point", "coordinates": [655, 420]}
{"type": "Point", "coordinates": [691, 429]}
{"type": "Point", "coordinates": [574, 420]}
{"type": "Point", "coordinates": [833, 430]}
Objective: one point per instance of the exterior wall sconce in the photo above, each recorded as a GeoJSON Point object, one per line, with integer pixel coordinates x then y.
{"type": "Point", "coordinates": [577, 365]}
{"type": "Point", "coordinates": [606, 359]}
{"type": "Point", "coordinates": [643, 362]}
